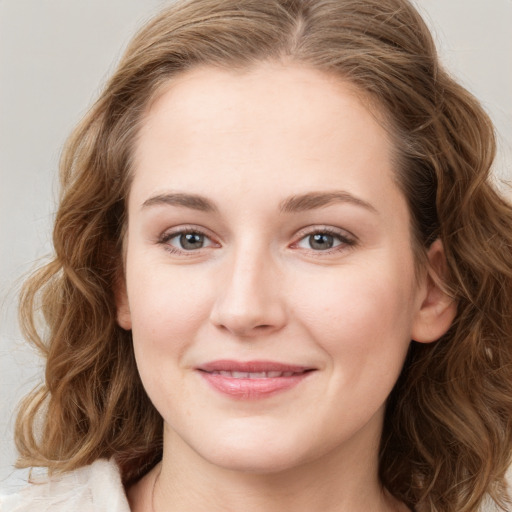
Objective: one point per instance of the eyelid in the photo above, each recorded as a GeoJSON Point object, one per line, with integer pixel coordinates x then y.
{"type": "Point", "coordinates": [347, 239]}
{"type": "Point", "coordinates": [171, 233]}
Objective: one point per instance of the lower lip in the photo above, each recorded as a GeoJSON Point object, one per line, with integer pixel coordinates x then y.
{"type": "Point", "coordinates": [252, 389]}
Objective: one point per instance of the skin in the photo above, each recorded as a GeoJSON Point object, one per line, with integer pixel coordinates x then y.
{"type": "Point", "coordinates": [259, 289]}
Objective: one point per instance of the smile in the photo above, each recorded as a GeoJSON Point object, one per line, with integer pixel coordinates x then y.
{"type": "Point", "coordinates": [252, 380]}
{"type": "Point", "coordinates": [254, 375]}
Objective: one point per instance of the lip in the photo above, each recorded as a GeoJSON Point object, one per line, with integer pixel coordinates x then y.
{"type": "Point", "coordinates": [252, 387]}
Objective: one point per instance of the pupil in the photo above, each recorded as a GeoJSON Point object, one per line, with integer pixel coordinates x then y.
{"type": "Point", "coordinates": [191, 241]}
{"type": "Point", "coordinates": [321, 241]}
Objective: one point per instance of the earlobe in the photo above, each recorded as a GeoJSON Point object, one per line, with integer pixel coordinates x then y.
{"type": "Point", "coordinates": [438, 309]}
{"type": "Point", "coordinates": [123, 317]}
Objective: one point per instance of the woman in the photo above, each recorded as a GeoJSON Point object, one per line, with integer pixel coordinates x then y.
{"type": "Point", "coordinates": [282, 278]}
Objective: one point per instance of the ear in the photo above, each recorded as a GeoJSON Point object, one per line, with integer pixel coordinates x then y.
{"type": "Point", "coordinates": [124, 318]}
{"type": "Point", "coordinates": [438, 309]}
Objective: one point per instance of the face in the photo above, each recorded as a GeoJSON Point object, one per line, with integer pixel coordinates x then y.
{"type": "Point", "coordinates": [270, 282]}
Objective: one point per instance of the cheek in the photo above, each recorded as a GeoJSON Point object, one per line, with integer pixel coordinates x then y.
{"type": "Point", "coordinates": [361, 319]}
{"type": "Point", "coordinates": [168, 308]}
{"type": "Point", "coordinates": [166, 297]}
{"type": "Point", "coordinates": [167, 312]}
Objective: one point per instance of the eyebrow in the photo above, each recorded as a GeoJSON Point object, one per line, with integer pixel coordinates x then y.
{"type": "Point", "coordinates": [192, 201]}
{"type": "Point", "coordinates": [313, 200]}
{"type": "Point", "coordinates": [293, 204]}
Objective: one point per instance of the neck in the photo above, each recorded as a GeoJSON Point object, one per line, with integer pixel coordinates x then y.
{"type": "Point", "coordinates": [343, 480]}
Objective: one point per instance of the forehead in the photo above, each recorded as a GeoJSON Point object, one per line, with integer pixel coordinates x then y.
{"type": "Point", "coordinates": [238, 98]}
{"type": "Point", "coordinates": [270, 128]}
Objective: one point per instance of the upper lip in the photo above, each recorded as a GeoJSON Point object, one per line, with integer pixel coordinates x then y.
{"type": "Point", "coordinates": [251, 366]}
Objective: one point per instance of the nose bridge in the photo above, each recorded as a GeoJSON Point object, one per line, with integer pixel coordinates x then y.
{"type": "Point", "coordinates": [249, 299]}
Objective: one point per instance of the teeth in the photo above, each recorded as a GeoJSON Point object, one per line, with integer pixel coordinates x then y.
{"type": "Point", "coordinates": [240, 375]}
{"type": "Point", "coordinates": [253, 375]}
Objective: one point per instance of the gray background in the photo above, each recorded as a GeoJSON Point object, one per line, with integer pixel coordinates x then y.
{"type": "Point", "coordinates": [54, 56]}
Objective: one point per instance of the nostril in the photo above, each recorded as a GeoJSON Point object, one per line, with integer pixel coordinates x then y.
{"type": "Point", "coordinates": [245, 313]}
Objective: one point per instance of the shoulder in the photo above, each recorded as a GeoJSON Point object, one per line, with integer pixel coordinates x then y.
{"type": "Point", "coordinates": [93, 488]}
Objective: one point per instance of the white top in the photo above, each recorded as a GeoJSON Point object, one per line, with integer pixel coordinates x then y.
{"type": "Point", "coordinates": [94, 488]}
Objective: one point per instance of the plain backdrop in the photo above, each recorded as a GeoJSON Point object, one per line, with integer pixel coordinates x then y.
{"type": "Point", "coordinates": [54, 57]}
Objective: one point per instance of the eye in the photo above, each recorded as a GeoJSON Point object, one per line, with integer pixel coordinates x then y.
{"type": "Point", "coordinates": [189, 240]}
{"type": "Point", "coordinates": [325, 240]}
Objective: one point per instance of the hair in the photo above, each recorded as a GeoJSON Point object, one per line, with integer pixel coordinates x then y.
{"type": "Point", "coordinates": [447, 435]}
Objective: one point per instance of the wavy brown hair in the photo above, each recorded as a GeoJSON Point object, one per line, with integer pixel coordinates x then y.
{"type": "Point", "coordinates": [447, 434]}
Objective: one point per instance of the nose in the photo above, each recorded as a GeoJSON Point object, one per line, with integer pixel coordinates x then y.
{"type": "Point", "coordinates": [250, 299]}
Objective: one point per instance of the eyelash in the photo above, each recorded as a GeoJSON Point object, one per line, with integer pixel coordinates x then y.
{"type": "Point", "coordinates": [169, 235]}
{"type": "Point", "coordinates": [346, 240]}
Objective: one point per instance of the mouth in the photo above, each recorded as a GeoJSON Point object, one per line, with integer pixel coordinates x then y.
{"type": "Point", "coordinates": [252, 379]}
{"type": "Point", "coordinates": [254, 375]}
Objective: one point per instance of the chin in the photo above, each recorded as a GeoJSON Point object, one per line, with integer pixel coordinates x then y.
{"type": "Point", "coordinates": [257, 453]}
{"type": "Point", "coordinates": [257, 461]}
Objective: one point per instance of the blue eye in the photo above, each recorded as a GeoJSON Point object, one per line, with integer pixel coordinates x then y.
{"type": "Point", "coordinates": [191, 241]}
{"type": "Point", "coordinates": [187, 240]}
{"type": "Point", "coordinates": [324, 241]}
{"type": "Point", "coordinates": [321, 241]}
